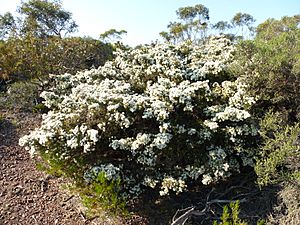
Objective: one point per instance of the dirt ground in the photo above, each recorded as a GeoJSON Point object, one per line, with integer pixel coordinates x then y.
{"type": "Point", "coordinates": [29, 196]}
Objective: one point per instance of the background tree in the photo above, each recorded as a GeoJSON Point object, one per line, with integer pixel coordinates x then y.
{"type": "Point", "coordinates": [222, 26]}
{"type": "Point", "coordinates": [46, 18]}
{"type": "Point", "coordinates": [192, 26]}
{"type": "Point", "coordinates": [8, 25]}
{"type": "Point", "coordinates": [244, 24]}
{"type": "Point", "coordinates": [34, 44]}
{"type": "Point", "coordinates": [176, 32]}
{"type": "Point", "coordinates": [271, 65]}
{"type": "Point", "coordinates": [273, 28]}
{"type": "Point", "coordinates": [32, 57]}
{"type": "Point", "coordinates": [112, 35]}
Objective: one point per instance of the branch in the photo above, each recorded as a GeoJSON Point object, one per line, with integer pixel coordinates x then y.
{"type": "Point", "coordinates": [183, 218]}
{"type": "Point", "coordinates": [192, 211]}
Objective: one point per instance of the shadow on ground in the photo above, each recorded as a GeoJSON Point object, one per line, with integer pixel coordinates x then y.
{"type": "Point", "coordinates": [7, 131]}
{"type": "Point", "coordinates": [208, 202]}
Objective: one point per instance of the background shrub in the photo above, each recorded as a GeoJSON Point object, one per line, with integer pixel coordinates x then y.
{"type": "Point", "coordinates": [21, 96]}
{"type": "Point", "coordinates": [31, 57]}
{"type": "Point", "coordinates": [231, 215]}
{"type": "Point", "coordinates": [280, 151]}
{"type": "Point", "coordinates": [270, 66]}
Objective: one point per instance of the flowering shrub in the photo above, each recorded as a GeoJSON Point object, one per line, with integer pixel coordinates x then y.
{"type": "Point", "coordinates": [161, 117]}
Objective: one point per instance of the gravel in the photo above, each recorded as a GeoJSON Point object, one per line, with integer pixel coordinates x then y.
{"type": "Point", "coordinates": [29, 196]}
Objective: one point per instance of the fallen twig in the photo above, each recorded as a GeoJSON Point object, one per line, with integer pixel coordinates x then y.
{"type": "Point", "coordinates": [193, 211]}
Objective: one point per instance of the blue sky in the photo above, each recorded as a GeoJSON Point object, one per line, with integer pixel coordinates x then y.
{"type": "Point", "coordinates": [144, 19]}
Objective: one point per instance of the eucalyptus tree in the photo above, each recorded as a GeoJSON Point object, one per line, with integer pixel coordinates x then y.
{"type": "Point", "coordinates": [40, 18]}
{"type": "Point", "coordinates": [7, 25]}
{"type": "Point", "coordinates": [112, 35]}
{"type": "Point", "coordinates": [193, 24]}
{"type": "Point", "coordinates": [222, 26]}
{"type": "Point", "coordinates": [243, 22]}
{"type": "Point", "coordinates": [46, 18]}
{"type": "Point", "coordinates": [273, 28]}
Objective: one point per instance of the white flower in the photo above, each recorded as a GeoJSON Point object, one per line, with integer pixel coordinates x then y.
{"type": "Point", "coordinates": [164, 127]}
{"type": "Point", "coordinates": [192, 131]}
{"type": "Point", "coordinates": [180, 129]}
{"type": "Point", "coordinates": [169, 183]}
{"type": "Point", "coordinates": [93, 135]}
{"type": "Point", "coordinates": [72, 143]}
{"type": "Point", "coordinates": [192, 172]}
{"type": "Point", "coordinates": [141, 140]}
{"type": "Point", "coordinates": [150, 182]}
{"type": "Point", "coordinates": [207, 179]}
{"type": "Point", "coordinates": [24, 140]}
{"type": "Point", "coordinates": [232, 114]}
{"type": "Point", "coordinates": [149, 105]}
{"type": "Point", "coordinates": [83, 128]}
{"type": "Point", "coordinates": [161, 140]}
{"type": "Point", "coordinates": [212, 125]}
{"type": "Point", "coordinates": [110, 172]}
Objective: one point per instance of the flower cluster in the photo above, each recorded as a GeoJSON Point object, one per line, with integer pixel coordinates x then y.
{"type": "Point", "coordinates": [160, 116]}
{"type": "Point", "coordinates": [110, 172]}
{"type": "Point", "coordinates": [169, 183]}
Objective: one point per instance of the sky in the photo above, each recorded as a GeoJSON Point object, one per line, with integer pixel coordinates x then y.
{"type": "Point", "coordinates": [144, 19]}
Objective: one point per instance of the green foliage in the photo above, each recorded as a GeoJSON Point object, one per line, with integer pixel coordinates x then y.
{"type": "Point", "coordinates": [39, 108]}
{"type": "Point", "coordinates": [273, 28]}
{"type": "Point", "coordinates": [100, 194]}
{"type": "Point", "coordinates": [280, 152]}
{"type": "Point", "coordinates": [45, 18]}
{"type": "Point", "coordinates": [1, 118]}
{"type": "Point", "coordinates": [112, 35]}
{"type": "Point", "coordinates": [193, 23]}
{"type": "Point", "coordinates": [242, 21]}
{"type": "Point", "coordinates": [31, 57]}
{"type": "Point", "coordinates": [21, 96]}
{"type": "Point", "coordinates": [32, 45]}
{"type": "Point", "coordinates": [25, 58]}
{"type": "Point", "coordinates": [270, 64]}
{"type": "Point", "coordinates": [261, 222]}
{"type": "Point", "coordinates": [76, 53]}
{"type": "Point", "coordinates": [194, 26]}
{"type": "Point", "coordinates": [230, 215]}
{"type": "Point", "coordinates": [7, 25]}
{"type": "Point", "coordinates": [53, 164]}
{"type": "Point", "coordinates": [222, 26]}
{"type": "Point", "coordinates": [103, 194]}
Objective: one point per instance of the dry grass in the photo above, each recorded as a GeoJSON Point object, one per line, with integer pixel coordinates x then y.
{"type": "Point", "coordinates": [287, 210]}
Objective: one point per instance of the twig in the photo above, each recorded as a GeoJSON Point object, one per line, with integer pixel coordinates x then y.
{"type": "Point", "coordinates": [192, 211]}
{"type": "Point", "coordinates": [232, 188]}
{"type": "Point", "coordinates": [69, 198]}
{"type": "Point", "coordinates": [180, 210]}
{"type": "Point", "coordinates": [183, 218]}
{"type": "Point", "coordinates": [224, 201]}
